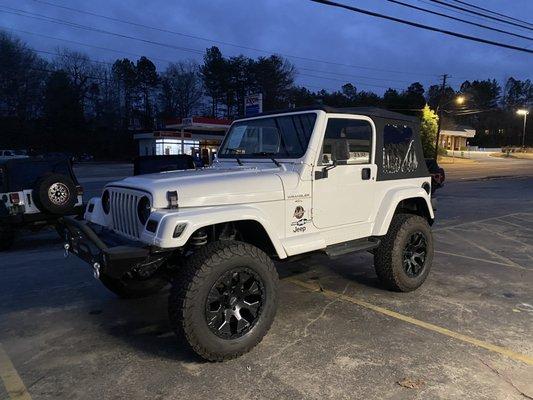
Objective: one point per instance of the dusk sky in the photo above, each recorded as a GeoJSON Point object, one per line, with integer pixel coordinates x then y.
{"type": "Point", "coordinates": [376, 53]}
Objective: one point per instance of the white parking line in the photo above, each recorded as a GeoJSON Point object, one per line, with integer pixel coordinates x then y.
{"type": "Point", "coordinates": [507, 237]}
{"type": "Point", "coordinates": [513, 224]}
{"type": "Point", "coordinates": [505, 260]}
{"type": "Point", "coordinates": [480, 259]}
{"type": "Point", "coordinates": [473, 222]}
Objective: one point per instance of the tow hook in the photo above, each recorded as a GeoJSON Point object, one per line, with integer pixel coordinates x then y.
{"type": "Point", "coordinates": [66, 246]}
{"type": "Point", "coordinates": [96, 270]}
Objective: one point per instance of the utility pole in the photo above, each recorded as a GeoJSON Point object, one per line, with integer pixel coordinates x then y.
{"type": "Point", "coordinates": [439, 113]}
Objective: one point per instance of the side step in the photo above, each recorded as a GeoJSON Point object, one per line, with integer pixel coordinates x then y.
{"type": "Point", "coordinates": [352, 246]}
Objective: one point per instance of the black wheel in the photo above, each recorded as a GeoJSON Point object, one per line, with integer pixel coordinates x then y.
{"type": "Point", "coordinates": [55, 194]}
{"type": "Point", "coordinates": [131, 288]}
{"type": "Point", "coordinates": [225, 299]}
{"type": "Point", "coordinates": [7, 238]}
{"type": "Point", "coordinates": [404, 256]}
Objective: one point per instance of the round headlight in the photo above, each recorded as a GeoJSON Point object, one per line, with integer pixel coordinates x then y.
{"type": "Point", "coordinates": [144, 209]}
{"type": "Point", "coordinates": [106, 203]}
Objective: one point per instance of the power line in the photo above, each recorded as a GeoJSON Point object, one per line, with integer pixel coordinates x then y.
{"type": "Point", "coordinates": [417, 25]}
{"type": "Point", "coordinates": [354, 76]}
{"type": "Point", "coordinates": [111, 64]}
{"type": "Point", "coordinates": [290, 56]}
{"type": "Point", "coordinates": [483, 19]}
{"type": "Point", "coordinates": [93, 29]}
{"type": "Point", "coordinates": [83, 44]}
{"type": "Point", "coordinates": [460, 19]}
{"type": "Point", "coordinates": [140, 55]}
{"type": "Point", "coordinates": [492, 12]}
{"type": "Point", "coordinates": [344, 81]}
{"type": "Point", "coordinates": [478, 13]}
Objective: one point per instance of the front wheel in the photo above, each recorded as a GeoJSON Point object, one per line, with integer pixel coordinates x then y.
{"type": "Point", "coordinates": [404, 257]}
{"type": "Point", "coordinates": [225, 299]}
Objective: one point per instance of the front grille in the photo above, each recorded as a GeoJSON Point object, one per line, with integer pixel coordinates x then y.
{"type": "Point", "coordinates": [124, 212]}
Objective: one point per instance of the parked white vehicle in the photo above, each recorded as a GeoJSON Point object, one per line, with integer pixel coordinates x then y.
{"type": "Point", "coordinates": [285, 184]}
{"type": "Point", "coordinates": [10, 154]}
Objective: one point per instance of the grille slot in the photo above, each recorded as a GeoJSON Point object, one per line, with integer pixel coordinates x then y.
{"type": "Point", "coordinates": [124, 212]}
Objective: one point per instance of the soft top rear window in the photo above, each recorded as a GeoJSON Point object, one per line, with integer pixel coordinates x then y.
{"type": "Point", "coordinates": [23, 174]}
{"type": "Point", "coordinates": [399, 150]}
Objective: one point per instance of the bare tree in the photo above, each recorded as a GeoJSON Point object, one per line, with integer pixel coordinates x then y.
{"type": "Point", "coordinates": [22, 77]}
{"type": "Point", "coordinates": [181, 89]}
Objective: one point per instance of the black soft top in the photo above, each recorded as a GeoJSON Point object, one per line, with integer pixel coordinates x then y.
{"type": "Point", "coordinates": [17, 174]}
{"type": "Point", "coordinates": [399, 153]}
{"type": "Point", "coordinates": [368, 111]}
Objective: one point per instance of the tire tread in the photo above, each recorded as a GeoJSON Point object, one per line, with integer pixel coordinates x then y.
{"type": "Point", "coordinates": [186, 284]}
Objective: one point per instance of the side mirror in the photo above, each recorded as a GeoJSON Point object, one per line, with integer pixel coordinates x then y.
{"type": "Point", "coordinates": [323, 173]}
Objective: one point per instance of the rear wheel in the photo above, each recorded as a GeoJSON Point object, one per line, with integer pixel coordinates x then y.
{"type": "Point", "coordinates": [7, 238]}
{"type": "Point", "coordinates": [224, 301]}
{"type": "Point", "coordinates": [133, 288]}
{"type": "Point", "coordinates": [404, 257]}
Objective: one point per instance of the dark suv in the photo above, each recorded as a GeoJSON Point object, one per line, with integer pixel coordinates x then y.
{"type": "Point", "coordinates": [35, 193]}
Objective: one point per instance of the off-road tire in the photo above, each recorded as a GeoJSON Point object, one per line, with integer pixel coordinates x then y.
{"type": "Point", "coordinates": [58, 206]}
{"type": "Point", "coordinates": [188, 297]}
{"type": "Point", "coordinates": [7, 238]}
{"type": "Point", "coordinates": [133, 289]}
{"type": "Point", "coordinates": [388, 257]}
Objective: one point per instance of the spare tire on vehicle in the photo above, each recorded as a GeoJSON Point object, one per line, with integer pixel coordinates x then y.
{"type": "Point", "coordinates": [55, 194]}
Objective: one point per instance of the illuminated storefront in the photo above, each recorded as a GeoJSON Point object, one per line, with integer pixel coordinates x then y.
{"type": "Point", "coordinates": [196, 136]}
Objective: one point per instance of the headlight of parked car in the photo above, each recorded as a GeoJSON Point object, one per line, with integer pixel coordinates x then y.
{"type": "Point", "coordinates": [144, 209]}
{"type": "Point", "coordinates": [106, 202]}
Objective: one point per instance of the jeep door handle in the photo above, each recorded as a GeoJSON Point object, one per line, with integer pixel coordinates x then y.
{"type": "Point", "coordinates": [366, 174]}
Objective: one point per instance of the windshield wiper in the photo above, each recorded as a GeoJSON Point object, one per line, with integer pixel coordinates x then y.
{"type": "Point", "coordinates": [236, 156]}
{"type": "Point", "coordinates": [269, 155]}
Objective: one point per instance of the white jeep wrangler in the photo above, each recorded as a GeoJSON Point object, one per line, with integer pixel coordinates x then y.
{"type": "Point", "coordinates": [284, 184]}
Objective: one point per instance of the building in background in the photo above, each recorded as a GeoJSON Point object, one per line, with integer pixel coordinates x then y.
{"type": "Point", "coordinates": [454, 136]}
{"type": "Point", "coordinates": [196, 136]}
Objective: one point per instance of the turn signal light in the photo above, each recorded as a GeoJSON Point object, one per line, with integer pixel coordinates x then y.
{"type": "Point", "coordinates": [178, 230]}
{"type": "Point", "coordinates": [14, 198]}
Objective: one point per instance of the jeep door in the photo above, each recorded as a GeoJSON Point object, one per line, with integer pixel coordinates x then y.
{"type": "Point", "coordinates": [345, 173]}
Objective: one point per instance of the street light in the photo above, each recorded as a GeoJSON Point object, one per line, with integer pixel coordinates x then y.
{"type": "Point", "coordinates": [523, 112]}
{"type": "Point", "coordinates": [459, 100]}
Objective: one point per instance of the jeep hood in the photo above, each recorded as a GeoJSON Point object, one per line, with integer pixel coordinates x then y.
{"type": "Point", "coordinates": [210, 186]}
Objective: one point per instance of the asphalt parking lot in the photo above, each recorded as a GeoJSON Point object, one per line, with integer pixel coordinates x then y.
{"type": "Point", "coordinates": [467, 333]}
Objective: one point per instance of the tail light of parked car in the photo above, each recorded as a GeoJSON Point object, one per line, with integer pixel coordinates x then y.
{"type": "Point", "coordinates": [79, 190]}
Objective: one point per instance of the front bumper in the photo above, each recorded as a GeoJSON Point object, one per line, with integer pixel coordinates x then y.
{"type": "Point", "coordinates": [109, 253]}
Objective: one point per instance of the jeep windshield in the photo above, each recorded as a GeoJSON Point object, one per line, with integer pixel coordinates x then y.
{"type": "Point", "coordinates": [285, 136]}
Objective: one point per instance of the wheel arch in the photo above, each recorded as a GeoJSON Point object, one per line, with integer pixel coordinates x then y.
{"type": "Point", "coordinates": [253, 225]}
{"type": "Point", "coordinates": [408, 200]}
{"type": "Point", "coordinates": [248, 230]}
